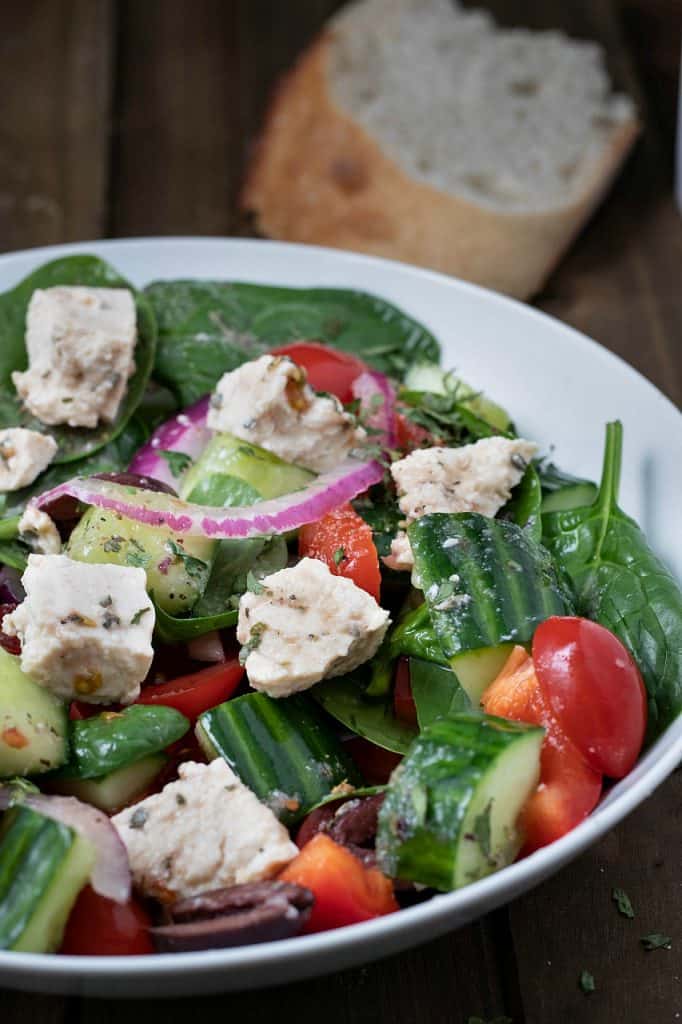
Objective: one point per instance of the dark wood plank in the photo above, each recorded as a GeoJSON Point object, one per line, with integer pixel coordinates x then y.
{"type": "Point", "coordinates": [571, 924]}
{"type": "Point", "coordinates": [55, 61]}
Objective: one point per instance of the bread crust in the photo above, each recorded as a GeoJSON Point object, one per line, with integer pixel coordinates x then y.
{"type": "Point", "coordinates": [316, 176]}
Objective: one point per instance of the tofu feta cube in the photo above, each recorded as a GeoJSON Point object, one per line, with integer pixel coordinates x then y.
{"type": "Point", "coordinates": [269, 403]}
{"type": "Point", "coordinates": [475, 478]}
{"type": "Point", "coordinates": [205, 831]}
{"type": "Point", "coordinates": [39, 532]}
{"type": "Point", "coordinates": [80, 343]}
{"type": "Point", "coordinates": [304, 625]}
{"type": "Point", "coordinates": [85, 630]}
{"type": "Point", "coordinates": [24, 454]}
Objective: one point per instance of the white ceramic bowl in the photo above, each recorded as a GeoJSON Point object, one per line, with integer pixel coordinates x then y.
{"type": "Point", "coordinates": [560, 388]}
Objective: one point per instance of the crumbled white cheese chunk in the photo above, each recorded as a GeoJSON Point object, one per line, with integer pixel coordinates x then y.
{"type": "Point", "coordinates": [205, 831]}
{"type": "Point", "coordinates": [39, 532]}
{"type": "Point", "coordinates": [475, 478]}
{"type": "Point", "coordinates": [80, 343]}
{"type": "Point", "coordinates": [304, 625]}
{"type": "Point", "coordinates": [24, 454]}
{"type": "Point", "coordinates": [269, 402]}
{"type": "Point", "coordinates": [85, 630]}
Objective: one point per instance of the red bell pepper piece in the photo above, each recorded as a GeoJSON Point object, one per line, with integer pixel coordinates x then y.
{"type": "Point", "coordinates": [345, 891]}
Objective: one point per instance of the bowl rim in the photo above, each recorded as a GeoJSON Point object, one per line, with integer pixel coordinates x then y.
{"type": "Point", "coordinates": [433, 914]}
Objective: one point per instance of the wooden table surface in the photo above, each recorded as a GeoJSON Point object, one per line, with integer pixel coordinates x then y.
{"type": "Point", "coordinates": [135, 118]}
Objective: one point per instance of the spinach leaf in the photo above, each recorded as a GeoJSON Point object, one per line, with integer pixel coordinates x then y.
{"type": "Point", "coordinates": [523, 508]}
{"type": "Point", "coordinates": [112, 458]}
{"type": "Point", "coordinates": [74, 443]}
{"type": "Point", "coordinates": [344, 699]}
{"type": "Point", "coordinates": [209, 327]}
{"type": "Point", "coordinates": [436, 691]}
{"type": "Point", "coordinates": [619, 582]}
{"type": "Point", "coordinates": [13, 553]}
{"type": "Point", "coordinates": [175, 629]}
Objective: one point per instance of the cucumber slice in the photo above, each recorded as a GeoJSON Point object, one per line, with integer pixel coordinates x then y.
{"type": "Point", "coordinates": [43, 867]}
{"type": "Point", "coordinates": [33, 723]}
{"type": "Point", "coordinates": [231, 472]}
{"type": "Point", "coordinates": [450, 812]}
{"type": "Point", "coordinates": [283, 750]}
{"type": "Point", "coordinates": [116, 739]}
{"type": "Point", "coordinates": [475, 670]}
{"type": "Point", "coordinates": [430, 377]}
{"type": "Point", "coordinates": [487, 582]}
{"type": "Point", "coordinates": [114, 791]}
{"type": "Point", "coordinates": [572, 496]}
{"type": "Point", "coordinates": [177, 567]}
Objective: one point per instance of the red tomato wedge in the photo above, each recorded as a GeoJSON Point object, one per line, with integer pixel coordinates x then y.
{"type": "Point", "coordinates": [403, 701]}
{"type": "Point", "coordinates": [569, 789]}
{"type": "Point", "coordinates": [345, 890]}
{"type": "Point", "coordinates": [99, 927]}
{"type": "Point", "coordinates": [195, 693]}
{"type": "Point", "coordinates": [328, 369]}
{"type": "Point", "coordinates": [343, 540]}
{"type": "Point", "coordinates": [594, 689]}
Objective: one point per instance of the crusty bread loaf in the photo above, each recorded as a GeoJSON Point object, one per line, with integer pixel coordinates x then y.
{"type": "Point", "coordinates": [419, 131]}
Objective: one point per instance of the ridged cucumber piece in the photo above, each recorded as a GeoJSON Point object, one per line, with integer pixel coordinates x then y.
{"type": "Point", "coordinates": [114, 791]}
{"type": "Point", "coordinates": [576, 495]}
{"type": "Point", "coordinates": [230, 470]}
{"type": "Point", "coordinates": [450, 812]}
{"type": "Point", "coordinates": [487, 582]}
{"type": "Point", "coordinates": [117, 739]}
{"type": "Point", "coordinates": [283, 750]}
{"type": "Point", "coordinates": [177, 567]}
{"type": "Point", "coordinates": [43, 867]}
{"type": "Point", "coordinates": [33, 723]}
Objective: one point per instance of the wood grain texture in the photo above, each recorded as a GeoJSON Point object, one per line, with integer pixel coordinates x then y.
{"type": "Point", "coordinates": [55, 61]}
{"type": "Point", "coordinates": [184, 84]}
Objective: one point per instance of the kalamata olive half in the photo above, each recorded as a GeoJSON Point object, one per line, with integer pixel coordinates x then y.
{"type": "Point", "coordinates": [239, 916]}
{"type": "Point", "coordinates": [352, 824]}
{"type": "Point", "coordinates": [147, 483]}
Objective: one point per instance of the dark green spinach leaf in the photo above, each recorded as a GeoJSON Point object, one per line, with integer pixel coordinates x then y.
{"type": "Point", "coordinates": [619, 582]}
{"type": "Point", "coordinates": [209, 327]}
{"type": "Point", "coordinates": [74, 443]}
{"type": "Point", "coordinates": [523, 508]}
{"type": "Point", "coordinates": [344, 699]}
{"type": "Point", "coordinates": [436, 691]}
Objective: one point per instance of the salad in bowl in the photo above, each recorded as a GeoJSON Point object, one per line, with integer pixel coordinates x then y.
{"type": "Point", "coordinates": [297, 630]}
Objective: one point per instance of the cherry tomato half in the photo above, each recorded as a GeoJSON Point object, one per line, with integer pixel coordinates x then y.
{"type": "Point", "coordinates": [328, 369]}
{"type": "Point", "coordinates": [343, 540]}
{"type": "Point", "coordinates": [100, 927]}
{"type": "Point", "coordinates": [594, 689]}
{"type": "Point", "coordinates": [195, 693]}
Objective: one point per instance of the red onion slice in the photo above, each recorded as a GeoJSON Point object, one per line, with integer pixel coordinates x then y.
{"type": "Point", "coordinates": [186, 433]}
{"type": "Point", "coordinates": [278, 515]}
{"type": "Point", "coordinates": [379, 415]}
{"type": "Point", "coordinates": [111, 872]}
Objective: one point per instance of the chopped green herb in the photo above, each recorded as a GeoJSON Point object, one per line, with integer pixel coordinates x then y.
{"type": "Point", "coordinates": [137, 560]}
{"type": "Point", "coordinates": [112, 544]}
{"type": "Point", "coordinates": [586, 982]}
{"type": "Point", "coordinates": [622, 901]}
{"type": "Point", "coordinates": [339, 556]}
{"type": "Point", "coordinates": [257, 631]}
{"type": "Point", "coordinates": [180, 799]}
{"type": "Point", "coordinates": [253, 583]}
{"type": "Point", "coordinates": [656, 941]}
{"type": "Point", "coordinates": [137, 617]}
{"type": "Point", "coordinates": [138, 818]}
{"type": "Point", "coordinates": [196, 568]}
{"type": "Point", "coordinates": [178, 462]}
{"type": "Point", "coordinates": [107, 601]}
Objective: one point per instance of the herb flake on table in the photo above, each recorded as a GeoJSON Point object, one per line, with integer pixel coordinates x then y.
{"type": "Point", "coordinates": [622, 901]}
{"type": "Point", "coordinates": [586, 982]}
{"type": "Point", "coordinates": [656, 940]}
